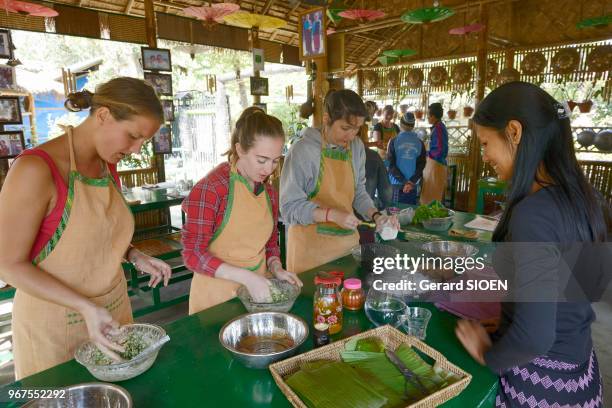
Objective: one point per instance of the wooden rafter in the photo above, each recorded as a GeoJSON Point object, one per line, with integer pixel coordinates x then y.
{"type": "Point", "coordinates": [267, 6]}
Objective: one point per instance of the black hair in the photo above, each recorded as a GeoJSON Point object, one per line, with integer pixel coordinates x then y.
{"type": "Point", "coordinates": [546, 140]}
{"type": "Point", "coordinates": [344, 104]}
{"type": "Point", "coordinates": [436, 110]}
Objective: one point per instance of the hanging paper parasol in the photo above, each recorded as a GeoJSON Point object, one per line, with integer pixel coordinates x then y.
{"type": "Point", "coordinates": [330, 31]}
{"type": "Point", "coordinates": [596, 22]}
{"type": "Point", "coordinates": [465, 30]}
{"type": "Point", "coordinates": [427, 15]}
{"type": "Point", "coordinates": [250, 20]}
{"type": "Point", "coordinates": [213, 14]}
{"type": "Point", "coordinates": [387, 60]}
{"type": "Point", "coordinates": [362, 14]}
{"type": "Point", "coordinates": [399, 53]}
{"type": "Point", "coordinates": [333, 14]}
{"type": "Point", "coordinates": [30, 9]}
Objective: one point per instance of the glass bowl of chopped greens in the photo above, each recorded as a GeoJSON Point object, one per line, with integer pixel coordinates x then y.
{"type": "Point", "coordinates": [434, 216]}
{"type": "Point", "coordinates": [135, 338]}
{"type": "Point", "coordinates": [283, 296]}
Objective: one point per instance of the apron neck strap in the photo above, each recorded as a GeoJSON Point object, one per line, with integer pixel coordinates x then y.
{"type": "Point", "coordinates": [73, 166]}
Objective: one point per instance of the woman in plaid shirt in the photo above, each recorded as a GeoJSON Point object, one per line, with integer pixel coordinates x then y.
{"type": "Point", "coordinates": [230, 236]}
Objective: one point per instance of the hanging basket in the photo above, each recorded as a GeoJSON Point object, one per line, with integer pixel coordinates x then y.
{"type": "Point", "coordinates": [534, 63]}
{"type": "Point", "coordinates": [492, 69]}
{"type": "Point", "coordinates": [565, 61]}
{"type": "Point", "coordinates": [468, 111]}
{"type": "Point", "coordinates": [370, 79]}
{"type": "Point", "coordinates": [600, 59]}
{"type": "Point", "coordinates": [571, 105]}
{"type": "Point", "coordinates": [462, 73]}
{"type": "Point", "coordinates": [438, 76]}
{"type": "Point", "coordinates": [585, 106]}
{"type": "Point", "coordinates": [414, 78]}
{"type": "Point", "coordinates": [452, 114]}
{"type": "Point", "coordinates": [393, 79]}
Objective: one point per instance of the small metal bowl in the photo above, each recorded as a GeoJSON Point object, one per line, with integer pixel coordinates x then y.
{"type": "Point", "coordinates": [287, 288]}
{"type": "Point", "coordinates": [267, 332]}
{"type": "Point", "coordinates": [99, 395]}
{"type": "Point", "coordinates": [439, 224]}
{"type": "Point", "coordinates": [85, 353]}
{"type": "Point", "coordinates": [451, 249]}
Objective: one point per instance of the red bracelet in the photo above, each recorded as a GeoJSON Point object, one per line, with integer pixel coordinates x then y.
{"type": "Point", "coordinates": [327, 214]}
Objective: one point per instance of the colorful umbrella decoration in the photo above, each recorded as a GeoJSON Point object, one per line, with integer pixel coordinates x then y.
{"type": "Point", "coordinates": [387, 60]}
{"type": "Point", "coordinates": [427, 15]}
{"type": "Point", "coordinates": [213, 14]}
{"type": "Point", "coordinates": [330, 31]}
{"type": "Point", "coordinates": [362, 14]}
{"type": "Point", "coordinates": [333, 15]}
{"type": "Point", "coordinates": [399, 53]}
{"type": "Point", "coordinates": [465, 30]}
{"type": "Point", "coordinates": [596, 22]}
{"type": "Point", "coordinates": [251, 20]}
{"type": "Point", "coordinates": [30, 9]}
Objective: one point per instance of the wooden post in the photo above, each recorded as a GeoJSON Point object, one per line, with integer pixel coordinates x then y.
{"type": "Point", "coordinates": [360, 82]}
{"type": "Point", "coordinates": [475, 159]}
{"type": "Point", "coordinates": [319, 90]}
{"type": "Point", "coordinates": [255, 44]}
{"type": "Point", "coordinates": [151, 33]}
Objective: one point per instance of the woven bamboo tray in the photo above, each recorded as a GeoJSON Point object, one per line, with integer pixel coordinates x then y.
{"type": "Point", "coordinates": [391, 338]}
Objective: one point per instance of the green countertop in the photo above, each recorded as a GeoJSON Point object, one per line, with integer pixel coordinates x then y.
{"type": "Point", "coordinates": [194, 370]}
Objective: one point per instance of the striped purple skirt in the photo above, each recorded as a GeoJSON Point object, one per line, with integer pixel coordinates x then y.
{"type": "Point", "coordinates": [545, 383]}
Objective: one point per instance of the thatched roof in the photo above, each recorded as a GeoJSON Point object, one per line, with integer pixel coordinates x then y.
{"type": "Point", "coordinates": [512, 24]}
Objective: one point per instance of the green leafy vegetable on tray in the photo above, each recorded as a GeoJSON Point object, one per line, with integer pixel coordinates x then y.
{"type": "Point", "coordinates": [424, 212]}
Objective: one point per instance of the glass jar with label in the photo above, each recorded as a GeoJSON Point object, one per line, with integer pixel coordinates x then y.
{"type": "Point", "coordinates": [327, 304]}
{"type": "Point", "coordinates": [353, 296]}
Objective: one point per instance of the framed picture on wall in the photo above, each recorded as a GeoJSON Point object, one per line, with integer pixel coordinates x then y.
{"type": "Point", "coordinates": [259, 86]}
{"type": "Point", "coordinates": [161, 82]}
{"type": "Point", "coordinates": [10, 110]}
{"type": "Point", "coordinates": [7, 77]}
{"type": "Point", "coordinates": [11, 144]}
{"type": "Point", "coordinates": [6, 49]}
{"type": "Point", "coordinates": [313, 38]}
{"type": "Point", "coordinates": [162, 141]}
{"type": "Point", "coordinates": [168, 105]}
{"type": "Point", "coordinates": [156, 59]}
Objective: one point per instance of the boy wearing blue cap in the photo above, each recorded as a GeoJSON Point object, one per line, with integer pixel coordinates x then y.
{"type": "Point", "coordinates": [407, 158]}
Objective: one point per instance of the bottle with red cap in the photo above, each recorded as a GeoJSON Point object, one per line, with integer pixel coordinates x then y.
{"type": "Point", "coordinates": [328, 303]}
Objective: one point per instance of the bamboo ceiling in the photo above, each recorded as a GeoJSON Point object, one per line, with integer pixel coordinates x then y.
{"type": "Point", "coordinates": [512, 24]}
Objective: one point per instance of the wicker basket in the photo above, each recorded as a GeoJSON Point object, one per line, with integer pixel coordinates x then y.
{"type": "Point", "coordinates": [391, 338]}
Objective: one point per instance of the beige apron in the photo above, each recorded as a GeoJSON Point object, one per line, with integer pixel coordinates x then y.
{"type": "Point", "coordinates": [309, 246]}
{"type": "Point", "coordinates": [85, 254]}
{"type": "Point", "coordinates": [434, 182]}
{"type": "Point", "coordinates": [240, 241]}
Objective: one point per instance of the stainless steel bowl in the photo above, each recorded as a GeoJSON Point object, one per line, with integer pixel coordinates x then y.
{"type": "Point", "coordinates": [439, 224]}
{"type": "Point", "coordinates": [266, 332]}
{"type": "Point", "coordinates": [452, 249]}
{"type": "Point", "coordinates": [99, 395]}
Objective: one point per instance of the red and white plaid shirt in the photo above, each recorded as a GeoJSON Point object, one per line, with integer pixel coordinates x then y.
{"type": "Point", "coordinates": [205, 207]}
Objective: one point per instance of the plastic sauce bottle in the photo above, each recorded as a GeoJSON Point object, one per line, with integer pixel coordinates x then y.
{"type": "Point", "coordinates": [353, 296]}
{"type": "Point", "coordinates": [327, 305]}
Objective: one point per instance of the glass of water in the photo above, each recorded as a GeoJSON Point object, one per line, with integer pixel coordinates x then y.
{"type": "Point", "coordinates": [384, 308]}
{"type": "Point", "coordinates": [415, 321]}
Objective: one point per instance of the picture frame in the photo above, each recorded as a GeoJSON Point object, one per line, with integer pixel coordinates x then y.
{"type": "Point", "coordinates": [161, 82]}
{"type": "Point", "coordinates": [10, 110]}
{"type": "Point", "coordinates": [162, 140]}
{"type": "Point", "coordinates": [12, 143]}
{"type": "Point", "coordinates": [6, 44]}
{"type": "Point", "coordinates": [7, 77]}
{"type": "Point", "coordinates": [312, 34]}
{"type": "Point", "coordinates": [168, 106]}
{"type": "Point", "coordinates": [156, 59]}
{"type": "Point", "coordinates": [259, 86]}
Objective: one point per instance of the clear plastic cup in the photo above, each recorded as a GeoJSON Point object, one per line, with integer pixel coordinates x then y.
{"type": "Point", "coordinates": [415, 321]}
